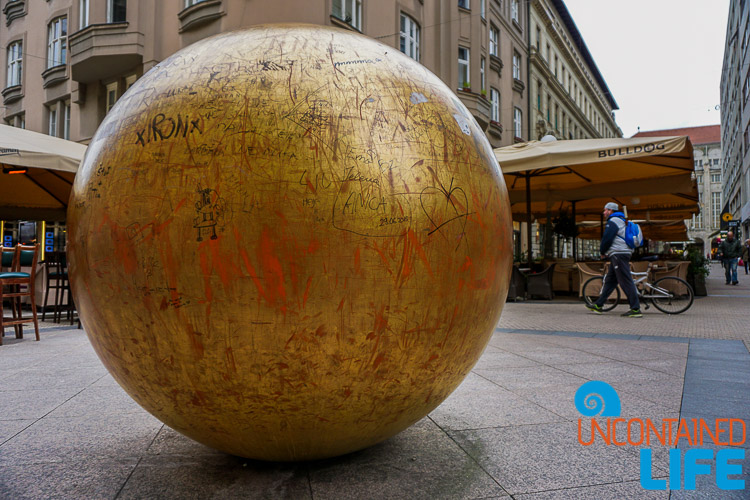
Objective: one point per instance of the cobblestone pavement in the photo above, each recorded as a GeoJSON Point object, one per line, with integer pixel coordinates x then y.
{"type": "Point", "coordinates": [723, 314]}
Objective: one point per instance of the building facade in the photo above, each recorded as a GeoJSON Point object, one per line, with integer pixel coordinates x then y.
{"type": "Point", "coordinates": [68, 61]}
{"type": "Point", "coordinates": [735, 114]}
{"type": "Point", "coordinates": [707, 155]}
{"type": "Point", "coordinates": [568, 98]}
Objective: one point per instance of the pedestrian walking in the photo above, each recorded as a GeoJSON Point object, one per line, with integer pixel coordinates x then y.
{"type": "Point", "coordinates": [746, 253]}
{"type": "Point", "coordinates": [614, 248]}
{"type": "Point", "coordinates": [730, 251]}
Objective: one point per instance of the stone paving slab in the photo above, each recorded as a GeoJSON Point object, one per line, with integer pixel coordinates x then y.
{"type": "Point", "coordinates": [67, 430]}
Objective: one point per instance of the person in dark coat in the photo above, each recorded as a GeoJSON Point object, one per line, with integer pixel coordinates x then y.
{"type": "Point", "coordinates": [729, 252]}
{"type": "Point", "coordinates": [614, 248]}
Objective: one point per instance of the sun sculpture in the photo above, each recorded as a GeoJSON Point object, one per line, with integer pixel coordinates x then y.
{"type": "Point", "coordinates": [289, 242]}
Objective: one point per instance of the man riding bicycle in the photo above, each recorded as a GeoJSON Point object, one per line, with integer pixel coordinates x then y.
{"type": "Point", "coordinates": [614, 248]}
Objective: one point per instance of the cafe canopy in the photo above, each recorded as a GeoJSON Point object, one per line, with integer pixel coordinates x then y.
{"type": "Point", "coordinates": [651, 176]}
{"type": "Point", "coordinates": [37, 174]}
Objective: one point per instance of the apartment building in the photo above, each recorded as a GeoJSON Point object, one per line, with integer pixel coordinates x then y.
{"type": "Point", "coordinates": [735, 114]}
{"type": "Point", "coordinates": [568, 98]}
{"type": "Point", "coordinates": [68, 61]}
{"type": "Point", "coordinates": [707, 155]}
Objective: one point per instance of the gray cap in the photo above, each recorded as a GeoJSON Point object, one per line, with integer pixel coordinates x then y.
{"type": "Point", "coordinates": [612, 206]}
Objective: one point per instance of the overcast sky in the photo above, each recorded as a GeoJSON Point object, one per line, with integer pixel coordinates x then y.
{"type": "Point", "coordinates": [661, 59]}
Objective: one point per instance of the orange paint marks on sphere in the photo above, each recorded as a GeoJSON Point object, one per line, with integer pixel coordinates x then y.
{"type": "Point", "coordinates": [301, 247]}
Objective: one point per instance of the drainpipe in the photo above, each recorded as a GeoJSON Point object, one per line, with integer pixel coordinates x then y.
{"type": "Point", "coordinates": [528, 67]}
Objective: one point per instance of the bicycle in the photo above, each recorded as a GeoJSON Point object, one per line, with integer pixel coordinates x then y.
{"type": "Point", "coordinates": [670, 295]}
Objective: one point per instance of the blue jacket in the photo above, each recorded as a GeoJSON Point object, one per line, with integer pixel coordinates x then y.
{"type": "Point", "coordinates": [613, 239]}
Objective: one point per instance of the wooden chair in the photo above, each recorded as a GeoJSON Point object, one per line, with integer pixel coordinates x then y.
{"type": "Point", "coordinates": [585, 273]}
{"type": "Point", "coordinates": [540, 284]}
{"type": "Point", "coordinates": [641, 266]}
{"type": "Point", "coordinates": [15, 284]}
{"type": "Point", "coordinates": [56, 278]}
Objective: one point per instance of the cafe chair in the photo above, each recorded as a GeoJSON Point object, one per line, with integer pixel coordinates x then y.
{"type": "Point", "coordinates": [517, 287]}
{"type": "Point", "coordinates": [56, 270]}
{"type": "Point", "coordinates": [16, 284]}
{"type": "Point", "coordinates": [540, 284]}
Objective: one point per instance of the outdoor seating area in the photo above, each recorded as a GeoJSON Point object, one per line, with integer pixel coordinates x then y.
{"type": "Point", "coordinates": [565, 278]}
{"type": "Point", "coordinates": [31, 287]}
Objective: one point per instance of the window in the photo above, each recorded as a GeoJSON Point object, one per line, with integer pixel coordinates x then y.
{"type": "Point", "coordinates": [129, 81]}
{"type": "Point", "coordinates": [57, 42]}
{"type": "Point", "coordinates": [715, 162]}
{"type": "Point", "coordinates": [464, 4]}
{"type": "Point", "coordinates": [18, 121]}
{"type": "Point", "coordinates": [698, 163]}
{"type": "Point", "coordinates": [494, 41]}
{"type": "Point", "coordinates": [495, 101]}
{"type": "Point", "coordinates": [715, 208]}
{"type": "Point", "coordinates": [516, 65]}
{"type": "Point", "coordinates": [556, 64]}
{"type": "Point", "coordinates": [514, 10]}
{"type": "Point", "coordinates": [547, 54]}
{"type": "Point", "coordinates": [698, 219]}
{"type": "Point", "coordinates": [349, 11]}
{"type": "Point", "coordinates": [83, 13]}
{"type": "Point", "coordinates": [538, 95]}
{"type": "Point", "coordinates": [538, 38]}
{"type": "Point", "coordinates": [482, 79]}
{"type": "Point", "coordinates": [111, 96]}
{"type": "Point", "coordinates": [482, 10]}
{"type": "Point", "coordinates": [15, 61]}
{"type": "Point", "coordinates": [188, 3]}
{"type": "Point", "coordinates": [715, 177]}
{"type": "Point", "coordinates": [66, 120]}
{"type": "Point", "coordinates": [699, 178]}
{"type": "Point", "coordinates": [517, 123]}
{"type": "Point", "coordinates": [116, 10]}
{"type": "Point", "coordinates": [409, 37]}
{"type": "Point", "coordinates": [557, 112]}
{"type": "Point", "coordinates": [463, 67]}
{"type": "Point", "coordinates": [52, 120]}
{"type": "Point", "coordinates": [549, 107]}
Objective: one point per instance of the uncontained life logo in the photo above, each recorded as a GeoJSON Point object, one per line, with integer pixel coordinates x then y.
{"type": "Point", "coordinates": [597, 400]}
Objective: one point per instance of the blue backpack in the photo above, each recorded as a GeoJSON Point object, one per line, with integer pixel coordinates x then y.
{"type": "Point", "coordinates": [633, 235]}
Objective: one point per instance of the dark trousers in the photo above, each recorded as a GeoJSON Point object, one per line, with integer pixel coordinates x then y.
{"type": "Point", "coordinates": [619, 273]}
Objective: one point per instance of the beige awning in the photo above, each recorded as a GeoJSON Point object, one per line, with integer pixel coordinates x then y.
{"type": "Point", "coordinates": [656, 171]}
{"type": "Point", "coordinates": [42, 192]}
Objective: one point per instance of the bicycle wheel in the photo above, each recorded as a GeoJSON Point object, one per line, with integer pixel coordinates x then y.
{"type": "Point", "coordinates": [592, 289]}
{"type": "Point", "coordinates": [671, 295]}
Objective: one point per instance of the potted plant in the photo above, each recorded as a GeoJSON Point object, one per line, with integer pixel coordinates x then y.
{"type": "Point", "coordinates": [467, 87]}
{"type": "Point", "coordinates": [697, 270]}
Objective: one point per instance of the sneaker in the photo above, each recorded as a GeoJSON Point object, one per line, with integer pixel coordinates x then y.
{"type": "Point", "coordinates": [595, 308]}
{"type": "Point", "coordinates": [633, 313]}
{"type": "Point", "coordinates": [735, 282]}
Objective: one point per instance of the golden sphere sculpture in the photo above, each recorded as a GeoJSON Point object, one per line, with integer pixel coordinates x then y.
{"type": "Point", "coordinates": [289, 242]}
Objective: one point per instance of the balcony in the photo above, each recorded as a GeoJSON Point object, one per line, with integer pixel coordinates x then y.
{"type": "Point", "coordinates": [12, 94]}
{"type": "Point", "coordinates": [496, 64]}
{"type": "Point", "coordinates": [54, 75]}
{"type": "Point", "coordinates": [13, 10]}
{"type": "Point", "coordinates": [477, 105]}
{"type": "Point", "coordinates": [199, 14]}
{"type": "Point", "coordinates": [101, 51]}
